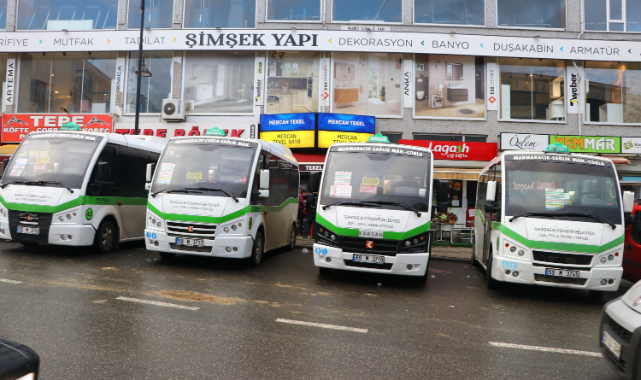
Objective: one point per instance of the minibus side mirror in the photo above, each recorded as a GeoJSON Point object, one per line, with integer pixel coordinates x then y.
{"type": "Point", "coordinates": [5, 165]}
{"type": "Point", "coordinates": [103, 175]}
{"type": "Point", "coordinates": [629, 219]}
{"type": "Point", "coordinates": [17, 361]}
{"type": "Point", "coordinates": [490, 207]}
{"type": "Point", "coordinates": [442, 190]}
{"type": "Point", "coordinates": [263, 193]}
{"type": "Point", "coordinates": [314, 182]}
{"type": "Point", "coordinates": [264, 180]}
{"type": "Point", "coordinates": [628, 202]}
{"type": "Point", "coordinates": [491, 191]}
{"type": "Point", "coordinates": [150, 172]}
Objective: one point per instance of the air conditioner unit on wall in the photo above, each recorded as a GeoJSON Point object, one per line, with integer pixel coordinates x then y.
{"type": "Point", "coordinates": [173, 109]}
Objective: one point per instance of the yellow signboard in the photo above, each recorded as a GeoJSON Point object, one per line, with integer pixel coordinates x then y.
{"type": "Point", "coordinates": [291, 139]}
{"type": "Point", "coordinates": [327, 138]}
{"type": "Point", "coordinates": [194, 175]}
{"type": "Point", "coordinates": [42, 160]}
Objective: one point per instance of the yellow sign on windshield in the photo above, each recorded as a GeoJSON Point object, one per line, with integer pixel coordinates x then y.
{"type": "Point", "coordinates": [42, 160]}
{"type": "Point", "coordinates": [194, 175]}
{"type": "Point", "coordinates": [371, 182]}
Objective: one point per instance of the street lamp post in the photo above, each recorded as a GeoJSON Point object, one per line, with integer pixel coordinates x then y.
{"type": "Point", "coordinates": [142, 70]}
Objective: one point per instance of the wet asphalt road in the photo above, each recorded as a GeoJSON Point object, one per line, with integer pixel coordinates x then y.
{"type": "Point", "coordinates": [66, 309]}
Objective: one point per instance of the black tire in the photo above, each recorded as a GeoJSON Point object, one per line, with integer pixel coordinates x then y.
{"type": "Point", "coordinates": [105, 237]}
{"type": "Point", "coordinates": [596, 295]}
{"type": "Point", "coordinates": [258, 249]}
{"type": "Point", "coordinates": [167, 255]}
{"type": "Point", "coordinates": [324, 271]}
{"type": "Point", "coordinates": [29, 244]}
{"type": "Point", "coordinates": [292, 238]}
{"type": "Point", "coordinates": [491, 283]}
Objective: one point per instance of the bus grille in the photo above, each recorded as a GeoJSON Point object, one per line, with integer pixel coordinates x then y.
{"type": "Point", "coordinates": [30, 219]}
{"type": "Point", "coordinates": [562, 258]}
{"type": "Point", "coordinates": [205, 249]}
{"type": "Point", "coordinates": [380, 246]}
{"type": "Point", "coordinates": [205, 230]}
{"type": "Point", "coordinates": [386, 266]}
{"type": "Point", "coordinates": [560, 280]}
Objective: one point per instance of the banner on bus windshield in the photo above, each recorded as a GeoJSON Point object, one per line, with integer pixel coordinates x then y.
{"type": "Point", "coordinates": [16, 126]}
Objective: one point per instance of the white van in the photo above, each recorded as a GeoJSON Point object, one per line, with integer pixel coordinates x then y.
{"type": "Point", "coordinates": [225, 197]}
{"type": "Point", "coordinates": [77, 188]}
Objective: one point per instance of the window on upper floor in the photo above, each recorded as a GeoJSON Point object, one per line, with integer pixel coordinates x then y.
{"type": "Point", "coordinates": [532, 14]}
{"type": "Point", "coordinates": [453, 12]}
{"type": "Point", "coordinates": [158, 14]}
{"type": "Point", "coordinates": [612, 92]}
{"type": "Point", "coordinates": [67, 82]}
{"type": "Point", "coordinates": [3, 14]}
{"type": "Point", "coordinates": [67, 14]}
{"type": "Point", "coordinates": [220, 13]}
{"type": "Point", "coordinates": [613, 15]}
{"type": "Point", "coordinates": [367, 10]}
{"type": "Point", "coordinates": [293, 10]}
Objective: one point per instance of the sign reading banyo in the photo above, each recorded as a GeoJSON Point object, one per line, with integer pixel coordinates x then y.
{"type": "Point", "coordinates": [589, 144]}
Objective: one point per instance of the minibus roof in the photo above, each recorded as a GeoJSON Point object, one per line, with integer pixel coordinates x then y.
{"type": "Point", "coordinates": [384, 145]}
{"type": "Point", "coordinates": [150, 143]}
{"type": "Point", "coordinates": [499, 158]}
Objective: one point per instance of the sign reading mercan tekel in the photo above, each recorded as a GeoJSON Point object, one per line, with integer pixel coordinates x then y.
{"type": "Point", "coordinates": [294, 130]}
{"type": "Point", "coordinates": [340, 128]}
{"type": "Point", "coordinates": [15, 127]}
{"type": "Point", "coordinates": [325, 40]}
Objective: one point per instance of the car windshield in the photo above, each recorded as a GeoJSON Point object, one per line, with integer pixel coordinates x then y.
{"type": "Point", "coordinates": [202, 164]}
{"type": "Point", "coordinates": [63, 158]}
{"type": "Point", "coordinates": [556, 184]}
{"type": "Point", "coordinates": [354, 175]}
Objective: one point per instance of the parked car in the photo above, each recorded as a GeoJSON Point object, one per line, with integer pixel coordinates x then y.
{"type": "Point", "coordinates": [632, 250]}
{"type": "Point", "coordinates": [17, 361]}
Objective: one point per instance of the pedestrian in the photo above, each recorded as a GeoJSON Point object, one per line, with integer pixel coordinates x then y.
{"type": "Point", "coordinates": [301, 209]}
{"type": "Point", "coordinates": [310, 207]}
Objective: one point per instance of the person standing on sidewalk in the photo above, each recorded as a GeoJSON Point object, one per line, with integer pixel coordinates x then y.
{"type": "Point", "coordinates": [301, 213]}
{"type": "Point", "coordinates": [312, 200]}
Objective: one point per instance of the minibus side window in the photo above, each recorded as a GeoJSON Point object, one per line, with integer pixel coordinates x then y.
{"type": "Point", "coordinates": [132, 171]}
{"type": "Point", "coordinates": [635, 232]}
{"type": "Point", "coordinates": [106, 186]}
{"type": "Point", "coordinates": [261, 165]}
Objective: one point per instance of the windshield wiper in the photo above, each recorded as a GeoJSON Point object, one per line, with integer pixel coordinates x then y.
{"type": "Point", "coordinates": [403, 204]}
{"type": "Point", "coordinates": [208, 189]}
{"type": "Point", "coordinates": [175, 191]}
{"type": "Point", "coordinates": [593, 216]}
{"type": "Point", "coordinates": [42, 183]}
{"type": "Point", "coordinates": [360, 204]}
{"type": "Point", "coordinates": [12, 183]}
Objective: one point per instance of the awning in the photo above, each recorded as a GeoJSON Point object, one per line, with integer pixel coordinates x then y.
{"type": "Point", "coordinates": [8, 150]}
{"type": "Point", "coordinates": [618, 160]}
{"type": "Point", "coordinates": [457, 173]}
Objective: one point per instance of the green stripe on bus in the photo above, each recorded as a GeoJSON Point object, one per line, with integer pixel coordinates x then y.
{"type": "Point", "coordinates": [386, 234]}
{"type": "Point", "coordinates": [570, 247]}
{"type": "Point", "coordinates": [479, 213]}
{"type": "Point", "coordinates": [81, 200]}
{"type": "Point", "coordinates": [220, 219]}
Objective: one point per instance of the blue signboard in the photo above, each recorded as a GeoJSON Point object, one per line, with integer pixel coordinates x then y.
{"type": "Point", "coordinates": [346, 123]}
{"type": "Point", "coordinates": [288, 122]}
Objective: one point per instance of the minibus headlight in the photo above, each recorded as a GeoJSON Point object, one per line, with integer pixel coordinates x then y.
{"type": "Point", "coordinates": [326, 237]}
{"type": "Point", "coordinates": [512, 249]}
{"type": "Point", "coordinates": [603, 260]}
{"type": "Point", "coordinates": [416, 243]}
{"type": "Point", "coordinates": [3, 211]}
{"type": "Point", "coordinates": [60, 218]}
{"type": "Point", "coordinates": [233, 227]}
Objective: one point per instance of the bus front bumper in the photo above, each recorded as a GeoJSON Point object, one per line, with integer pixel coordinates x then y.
{"type": "Point", "coordinates": [411, 264]}
{"type": "Point", "coordinates": [59, 234]}
{"type": "Point", "coordinates": [527, 273]}
{"type": "Point", "coordinates": [240, 246]}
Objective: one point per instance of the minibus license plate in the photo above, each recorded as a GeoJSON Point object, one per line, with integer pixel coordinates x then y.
{"type": "Point", "coordinates": [562, 272]}
{"type": "Point", "coordinates": [369, 259]}
{"type": "Point", "coordinates": [29, 230]}
{"type": "Point", "coordinates": [190, 242]}
{"type": "Point", "coordinates": [611, 344]}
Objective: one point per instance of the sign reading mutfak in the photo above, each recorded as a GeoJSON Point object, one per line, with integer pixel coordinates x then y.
{"type": "Point", "coordinates": [325, 40]}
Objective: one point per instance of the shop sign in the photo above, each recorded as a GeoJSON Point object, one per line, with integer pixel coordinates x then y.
{"type": "Point", "coordinates": [631, 145]}
{"type": "Point", "coordinates": [168, 130]}
{"type": "Point", "coordinates": [259, 80]}
{"type": "Point", "coordinates": [294, 130]}
{"type": "Point", "coordinates": [455, 150]}
{"type": "Point", "coordinates": [9, 88]}
{"type": "Point", "coordinates": [492, 95]}
{"type": "Point", "coordinates": [589, 144]}
{"type": "Point", "coordinates": [317, 167]}
{"type": "Point", "coordinates": [291, 139]}
{"type": "Point", "coordinates": [572, 91]}
{"type": "Point", "coordinates": [341, 128]}
{"type": "Point", "coordinates": [16, 126]}
{"type": "Point", "coordinates": [327, 138]}
{"type": "Point", "coordinates": [524, 141]}
{"type": "Point", "coordinates": [408, 88]}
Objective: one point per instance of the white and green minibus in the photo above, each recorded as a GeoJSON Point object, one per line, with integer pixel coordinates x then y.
{"type": "Point", "coordinates": [77, 188]}
{"type": "Point", "coordinates": [551, 218]}
{"type": "Point", "coordinates": [374, 209]}
{"type": "Point", "coordinates": [223, 197]}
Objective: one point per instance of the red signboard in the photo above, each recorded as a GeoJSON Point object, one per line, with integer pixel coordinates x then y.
{"type": "Point", "coordinates": [456, 150]}
{"type": "Point", "coordinates": [16, 126]}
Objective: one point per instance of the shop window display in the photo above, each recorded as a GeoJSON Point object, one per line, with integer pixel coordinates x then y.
{"type": "Point", "coordinates": [219, 82]}
{"type": "Point", "coordinates": [367, 84]}
{"type": "Point", "coordinates": [292, 82]}
{"type": "Point", "coordinates": [532, 89]}
{"type": "Point", "coordinates": [67, 14]}
{"type": "Point", "coordinates": [67, 82]}
{"type": "Point", "coordinates": [613, 92]}
{"type": "Point", "coordinates": [449, 86]}
{"type": "Point", "coordinates": [153, 89]}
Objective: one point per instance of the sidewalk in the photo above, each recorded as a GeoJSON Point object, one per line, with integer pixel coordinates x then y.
{"type": "Point", "coordinates": [437, 250]}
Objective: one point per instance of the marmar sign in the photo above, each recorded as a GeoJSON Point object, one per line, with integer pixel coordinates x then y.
{"type": "Point", "coordinates": [325, 40]}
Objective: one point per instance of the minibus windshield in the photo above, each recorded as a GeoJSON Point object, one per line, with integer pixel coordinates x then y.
{"type": "Point", "coordinates": [61, 160]}
{"type": "Point", "coordinates": [377, 177]}
{"type": "Point", "coordinates": [558, 185]}
{"type": "Point", "coordinates": [205, 168]}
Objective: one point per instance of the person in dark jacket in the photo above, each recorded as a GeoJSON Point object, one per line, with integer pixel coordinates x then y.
{"type": "Point", "coordinates": [312, 200]}
{"type": "Point", "coordinates": [301, 211]}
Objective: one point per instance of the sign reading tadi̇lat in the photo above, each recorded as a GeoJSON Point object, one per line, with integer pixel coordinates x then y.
{"type": "Point", "coordinates": [456, 150]}
{"type": "Point", "coordinates": [16, 126]}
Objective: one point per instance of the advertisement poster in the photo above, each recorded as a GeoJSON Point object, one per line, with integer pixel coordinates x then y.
{"type": "Point", "coordinates": [16, 126]}
{"type": "Point", "coordinates": [294, 130]}
{"type": "Point", "coordinates": [449, 86]}
{"type": "Point", "coordinates": [456, 150]}
{"type": "Point", "coordinates": [340, 128]}
{"type": "Point", "coordinates": [231, 126]}
{"type": "Point", "coordinates": [589, 144]}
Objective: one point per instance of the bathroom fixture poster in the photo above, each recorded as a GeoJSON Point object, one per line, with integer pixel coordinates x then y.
{"type": "Point", "coordinates": [336, 128]}
{"type": "Point", "coordinates": [374, 87]}
{"type": "Point", "coordinates": [449, 86]}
